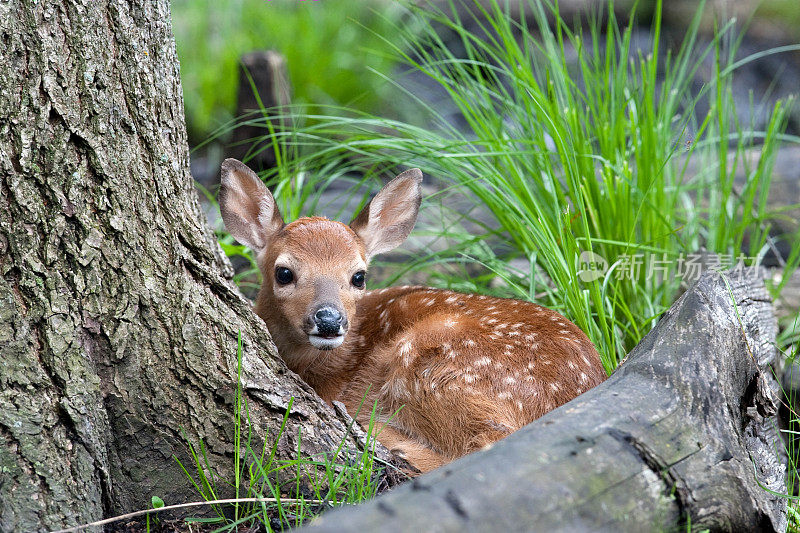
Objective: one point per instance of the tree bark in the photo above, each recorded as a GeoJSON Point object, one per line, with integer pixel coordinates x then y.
{"type": "Point", "coordinates": [118, 320]}
{"type": "Point", "coordinates": [683, 432]}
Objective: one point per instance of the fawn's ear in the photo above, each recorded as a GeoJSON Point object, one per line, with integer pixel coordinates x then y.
{"type": "Point", "coordinates": [390, 216]}
{"type": "Point", "coordinates": [247, 206]}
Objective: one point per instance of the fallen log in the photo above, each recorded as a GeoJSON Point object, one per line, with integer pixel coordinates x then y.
{"type": "Point", "coordinates": [684, 432]}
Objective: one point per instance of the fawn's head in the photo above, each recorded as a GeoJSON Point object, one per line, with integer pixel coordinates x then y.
{"type": "Point", "coordinates": [314, 268]}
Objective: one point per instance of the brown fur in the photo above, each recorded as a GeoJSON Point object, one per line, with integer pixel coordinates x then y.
{"type": "Point", "coordinates": [449, 373]}
{"type": "Point", "coordinates": [464, 383]}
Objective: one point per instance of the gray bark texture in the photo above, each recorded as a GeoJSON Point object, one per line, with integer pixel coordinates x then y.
{"type": "Point", "coordinates": [118, 321]}
{"type": "Point", "coordinates": [683, 432]}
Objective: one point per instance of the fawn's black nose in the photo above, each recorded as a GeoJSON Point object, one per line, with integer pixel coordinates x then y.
{"type": "Point", "coordinates": [328, 321]}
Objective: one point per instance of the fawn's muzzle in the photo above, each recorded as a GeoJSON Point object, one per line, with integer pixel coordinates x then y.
{"type": "Point", "coordinates": [328, 321]}
{"type": "Point", "coordinates": [328, 326]}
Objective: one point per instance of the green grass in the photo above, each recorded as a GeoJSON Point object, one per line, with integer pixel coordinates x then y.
{"type": "Point", "coordinates": [289, 492]}
{"type": "Point", "coordinates": [788, 445]}
{"type": "Point", "coordinates": [791, 432]}
{"type": "Point", "coordinates": [332, 48]}
{"type": "Point", "coordinates": [562, 157]}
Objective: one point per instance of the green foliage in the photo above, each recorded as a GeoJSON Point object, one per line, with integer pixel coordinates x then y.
{"type": "Point", "coordinates": [784, 13]}
{"type": "Point", "coordinates": [289, 492]}
{"type": "Point", "coordinates": [331, 47]}
{"type": "Point", "coordinates": [591, 154]}
{"type": "Point", "coordinates": [155, 503]}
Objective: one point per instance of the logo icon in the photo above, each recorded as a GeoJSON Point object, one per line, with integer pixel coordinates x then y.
{"type": "Point", "coordinates": [591, 266]}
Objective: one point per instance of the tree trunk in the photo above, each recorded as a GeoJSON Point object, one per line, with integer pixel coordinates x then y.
{"type": "Point", "coordinates": [683, 433]}
{"type": "Point", "coordinates": [118, 320]}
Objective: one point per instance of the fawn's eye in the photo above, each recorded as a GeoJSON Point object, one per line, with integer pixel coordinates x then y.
{"type": "Point", "coordinates": [283, 275]}
{"type": "Point", "coordinates": [358, 279]}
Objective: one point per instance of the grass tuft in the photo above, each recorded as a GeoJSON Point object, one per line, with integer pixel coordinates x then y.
{"type": "Point", "coordinates": [603, 153]}
{"type": "Point", "coordinates": [279, 493]}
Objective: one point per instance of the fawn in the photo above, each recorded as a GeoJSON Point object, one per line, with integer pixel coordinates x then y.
{"type": "Point", "coordinates": [466, 369]}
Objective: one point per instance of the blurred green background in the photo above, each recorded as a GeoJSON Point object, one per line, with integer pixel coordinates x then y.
{"type": "Point", "coordinates": [334, 51]}
{"type": "Point", "coordinates": [339, 51]}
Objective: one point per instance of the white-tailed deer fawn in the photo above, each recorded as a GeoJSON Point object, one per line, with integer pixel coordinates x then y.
{"type": "Point", "coordinates": [466, 369]}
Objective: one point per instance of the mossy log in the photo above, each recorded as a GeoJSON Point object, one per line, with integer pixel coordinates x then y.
{"type": "Point", "coordinates": [684, 432]}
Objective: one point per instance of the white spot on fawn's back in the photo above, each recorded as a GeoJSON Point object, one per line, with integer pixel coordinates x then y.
{"type": "Point", "coordinates": [450, 322]}
{"type": "Point", "coordinates": [448, 351]}
{"type": "Point", "coordinates": [483, 361]}
{"type": "Point", "coordinates": [395, 388]}
{"type": "Point", "coordinates": [405, 353]}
